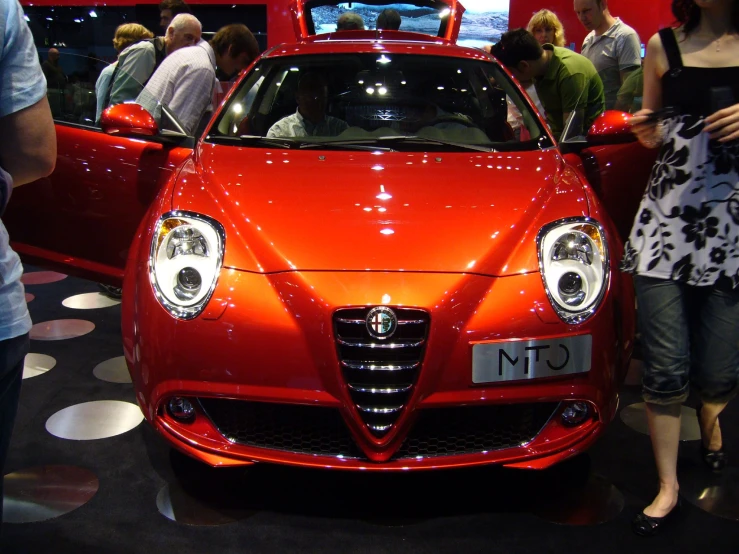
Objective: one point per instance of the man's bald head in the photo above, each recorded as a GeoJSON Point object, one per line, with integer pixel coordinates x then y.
{"type": "Point", "coordinates": [185, 30]}
{"type": "Point", "coordinates": [53, 54]}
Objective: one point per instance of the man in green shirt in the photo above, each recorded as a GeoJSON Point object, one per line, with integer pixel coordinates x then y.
{"type": "Point", "coordinates": [567, 83]}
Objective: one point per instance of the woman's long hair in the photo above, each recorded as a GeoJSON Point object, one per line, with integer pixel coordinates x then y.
{"type": "Point", "coordinates": [688, 14]}
{"type": "Point", "coordinates": [548, 19]}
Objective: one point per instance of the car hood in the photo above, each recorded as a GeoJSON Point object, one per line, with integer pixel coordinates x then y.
{"type": "Point", "coordinates": [379, 211]}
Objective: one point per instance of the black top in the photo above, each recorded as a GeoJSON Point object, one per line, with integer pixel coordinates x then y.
{"type": "Point", "coordinates": [696, 90]}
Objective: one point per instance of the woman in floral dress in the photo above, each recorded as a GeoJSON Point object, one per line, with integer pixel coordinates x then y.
{"type": "Point", "coordinates": [684, 246]}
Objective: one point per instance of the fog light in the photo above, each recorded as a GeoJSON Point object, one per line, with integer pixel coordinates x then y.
{"type": "Point", "coordinates": [575, 413]}
{"type": "Point", "coordinates": [181, 408]}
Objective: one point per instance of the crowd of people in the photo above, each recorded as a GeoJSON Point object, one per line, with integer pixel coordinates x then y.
{"type": "Point", "coordinates": [687, 281]}
{"type": "Point", "coordinates": [140, 75]}
{"type": "Point", "coordinates": [564, 84]}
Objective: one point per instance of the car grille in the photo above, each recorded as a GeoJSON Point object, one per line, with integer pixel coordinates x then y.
{"type": "Point", "coordinates": [321, 431]}
{"type": "Point", "coordinates": [474, 429]}
{"type": "Point", "coordinates": [380, 374]}
{"type": "Point", "coordinates": [289, 427]}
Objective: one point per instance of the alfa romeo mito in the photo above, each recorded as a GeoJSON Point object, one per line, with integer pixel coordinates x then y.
{"type": "Point", "coordinates": [361, 264]}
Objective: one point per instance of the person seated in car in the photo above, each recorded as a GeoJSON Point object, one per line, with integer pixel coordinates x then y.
{"type": "Point", "coordinates": [350, 21]}
{"type": "Point", "coordinates": [310, 119]}
{"type": "Point", "coordinates": [388, 19]}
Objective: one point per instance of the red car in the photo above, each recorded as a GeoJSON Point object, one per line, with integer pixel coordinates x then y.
{"type": "Point", "coordinates": [360, 264]}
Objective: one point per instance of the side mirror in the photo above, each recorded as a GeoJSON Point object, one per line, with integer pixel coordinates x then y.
{"type": "Point", "coordinates": [611, 127]}
{"type": "Point", "coordinates": [128, 120]}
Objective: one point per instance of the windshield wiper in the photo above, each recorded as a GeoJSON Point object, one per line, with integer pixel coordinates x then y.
{"type": "Point", "coordinates": [292, 143]}
{"type": "Point", "coordinates": [354, 144]}
{"type": "Point", "coordinates": [267, 141]}
{"type": "Point", "coordinates": [401, 138]}
{"type": "Point", "coordinates": [442, 142]}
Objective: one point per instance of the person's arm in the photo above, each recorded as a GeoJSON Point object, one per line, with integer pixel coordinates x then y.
{"type": "Point", "coordinates": [629, 55]}
{"type": "Point", "coordinates": [655, 65]}
{"type": "Point", "coordinates": [31, 154]}
{"type": "Point", "coordinates": [27, 134]}
{"type": "Point", "coordinates": [723, 125]}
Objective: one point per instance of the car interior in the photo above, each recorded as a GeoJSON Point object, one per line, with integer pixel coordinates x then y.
{"type": "Point", "coordinates": [445, 100]}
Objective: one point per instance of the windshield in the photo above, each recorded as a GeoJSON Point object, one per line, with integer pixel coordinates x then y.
{"type": "Point", "coordinates": [400, 102]}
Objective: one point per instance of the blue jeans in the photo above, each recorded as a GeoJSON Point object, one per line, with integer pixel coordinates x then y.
{"type": "Point", "coordinates": [690, 337]}
{"type": "Point", "coordinates": [12, 354]}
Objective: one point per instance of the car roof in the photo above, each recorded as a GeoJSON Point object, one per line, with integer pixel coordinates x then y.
{"type": "Point", "coordinates": [377, 42]}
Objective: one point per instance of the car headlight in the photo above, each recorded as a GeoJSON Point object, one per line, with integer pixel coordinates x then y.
{"type": "Point", "coordinates": [573, 259]}
{"type": "Point", "coordinates": [184, 262]}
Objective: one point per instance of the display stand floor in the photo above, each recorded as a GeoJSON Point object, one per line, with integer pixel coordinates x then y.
{"type": "Point", "coordinates": [113, 486]}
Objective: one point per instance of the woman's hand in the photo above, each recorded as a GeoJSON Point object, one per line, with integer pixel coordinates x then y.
{"type": "Point", "coordinates": [648, 132]}
{"type": "Point", "coordinates": [723, 125]}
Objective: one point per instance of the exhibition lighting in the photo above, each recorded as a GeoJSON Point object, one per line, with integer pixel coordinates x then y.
{"type": "Point", "coordinates": [93, 14]}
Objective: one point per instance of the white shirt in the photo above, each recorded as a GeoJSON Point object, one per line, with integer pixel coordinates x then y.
{"type": "Point", "coordinates": [296, 125]}
{"type": "Point", "coordinates": [184, 82]}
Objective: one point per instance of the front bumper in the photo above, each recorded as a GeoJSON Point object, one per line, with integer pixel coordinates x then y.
{"type": "Point", "coordinates": [263, 355]}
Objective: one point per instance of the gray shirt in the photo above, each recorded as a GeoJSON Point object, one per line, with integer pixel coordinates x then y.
{"type": "Point", "coordinates": [23, 85]}
{"type": "Point", "coordinates": [616, 50]}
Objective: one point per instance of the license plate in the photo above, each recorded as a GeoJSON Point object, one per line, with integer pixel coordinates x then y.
{"type": "Point", "coordinates": [530, 359]}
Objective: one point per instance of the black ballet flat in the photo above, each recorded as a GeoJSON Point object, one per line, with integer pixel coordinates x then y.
{"type": "Point", "coordinates": [647, 526]}
{"type": "Point", "coordinates": [715, 459]}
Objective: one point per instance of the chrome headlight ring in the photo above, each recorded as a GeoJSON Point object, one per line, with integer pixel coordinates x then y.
{"type": "Point", "coordinates": [185, 259]}
{"type": "Point", "coordinates": [575, 266]}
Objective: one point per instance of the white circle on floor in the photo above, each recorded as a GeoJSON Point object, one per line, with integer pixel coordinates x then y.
{"type": "Point", "coordinates": [114, 370]}
{"type": "Point", "coordinates": [99, 419]}
{"type": "Point", "coordinates": [46, 492]}
{"type": "Point", "coordinates": [635, 416]}
{"type": "Point", "coordinates": [60, 329]}
{"type": "Point", "coordinates": [42, 277]}
{"type": "Point", "coordinates": [29, 297]}
{"type": "Point", "coordinates": [37, 364]}
{"type": "Point", "coordinates": [89, 301]}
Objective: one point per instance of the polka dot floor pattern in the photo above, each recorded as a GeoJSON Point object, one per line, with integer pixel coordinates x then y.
{"type": "Point", "coordinates": [85, 474]}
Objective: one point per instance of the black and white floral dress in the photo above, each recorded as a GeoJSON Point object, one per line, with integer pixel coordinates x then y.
{"type": "Point", "coordinates": [687, 225]}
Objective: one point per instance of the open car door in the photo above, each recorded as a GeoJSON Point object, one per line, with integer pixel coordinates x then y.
{"type": "Point", "coordinates": [616, 165]}
{"type": "Point", "coordinates": [441, 18]}
{"type": "Point", "coordinates": [83, 217]}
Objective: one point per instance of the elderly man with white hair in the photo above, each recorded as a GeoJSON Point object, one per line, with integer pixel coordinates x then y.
{"type": "Point", "coordinates": [138, 62]}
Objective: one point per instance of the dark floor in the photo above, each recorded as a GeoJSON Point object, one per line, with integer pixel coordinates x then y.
{"type": "Point", "coordinates": [280, 509]}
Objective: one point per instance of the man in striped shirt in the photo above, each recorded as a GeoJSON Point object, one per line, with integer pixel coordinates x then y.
{"type": "Point", "coordinates": [185, 82]}
{"type": "Point", "coordinates": [137, 64]}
